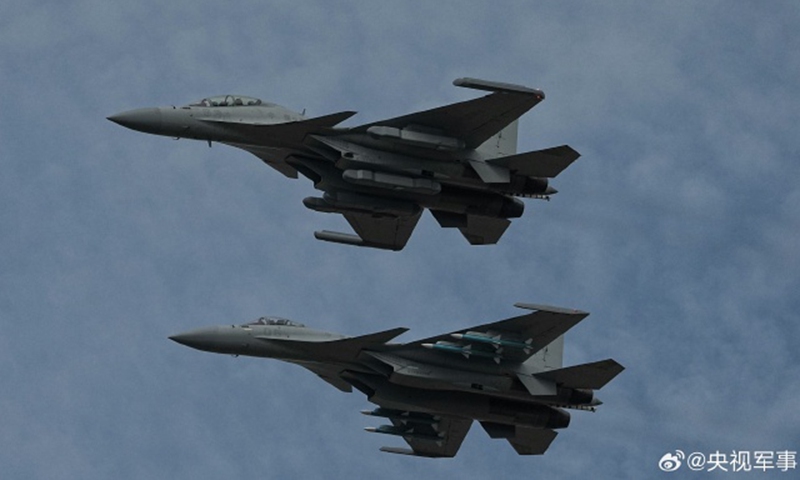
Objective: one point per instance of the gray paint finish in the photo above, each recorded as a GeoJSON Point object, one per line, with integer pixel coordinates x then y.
{"type": "Point", "coordinates": [431, 390]}
{"type": "Point", "coordinates": [459, 160]}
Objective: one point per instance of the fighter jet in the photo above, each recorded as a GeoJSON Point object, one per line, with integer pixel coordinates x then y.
{"type": "Point", "coordinates": [507, 375]}
{"type": "Point", "coordinates": [460, 161]}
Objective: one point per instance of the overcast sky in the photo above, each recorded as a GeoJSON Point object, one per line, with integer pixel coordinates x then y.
{"type": "Point", "coordinates": [678, 229]}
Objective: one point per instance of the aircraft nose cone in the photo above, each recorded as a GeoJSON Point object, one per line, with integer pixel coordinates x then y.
{"type": "Point", "coordinates": [202, 339]}
{"type": "Point", "coordinates": [146, 120]}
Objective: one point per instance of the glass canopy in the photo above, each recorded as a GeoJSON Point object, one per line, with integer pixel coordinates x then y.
{"type": "Point", "coordinates": [276, 321]}
{"type": "Point", "coordinates": [227, 101]}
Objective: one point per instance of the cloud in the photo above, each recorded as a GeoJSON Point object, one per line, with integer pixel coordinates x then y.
{"type": "Point", "coordinates": [677, 229]}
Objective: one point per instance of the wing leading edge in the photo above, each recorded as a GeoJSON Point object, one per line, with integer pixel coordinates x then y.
{"type": "Point", "coordinates": [287, 135]}
{"type": "Point", "coordinates": [514, 340]}
{"type": "Point", "coordinates": [428, 435]}
{"type": "Point", "coordinates": [463, 125]}
{"type": "Point", "coordinates": [473, 121]}
{"type": "Point", "coordinates": [434, 420]}
{"type": "Point", "coordinates": [387, 232]}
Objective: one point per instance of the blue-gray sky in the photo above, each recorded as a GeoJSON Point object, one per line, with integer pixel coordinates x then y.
{"type": "Point", "coordinates": [678, 229]}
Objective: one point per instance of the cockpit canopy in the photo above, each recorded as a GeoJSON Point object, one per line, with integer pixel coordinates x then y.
{"type": "Point", "coordinates": [227, 101]}
{"type": "Point", "coordinates": [275, 321]}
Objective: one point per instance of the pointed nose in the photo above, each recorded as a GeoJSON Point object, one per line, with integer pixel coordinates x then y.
{"type": "Point", "coordinates": [201, 339]}
{"type": "Point", "coordinates": [146, 120]}
{"type": "Point", "coordinates": [550, 190]}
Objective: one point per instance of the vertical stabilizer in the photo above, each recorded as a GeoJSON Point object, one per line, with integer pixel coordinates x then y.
{"type": "Point", "coordinates": [550, 357]}
{"type": "Point", "coordinates": [503, 143]}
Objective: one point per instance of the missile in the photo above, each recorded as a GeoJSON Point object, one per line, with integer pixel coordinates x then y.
{"type": "Point", "coordinates": [466, 351]}
{"type": "Point", "coordinates": [404, 432]}
{"type": "Point", "coordinates": [319, 205]}
{"type": "Point", "coordinates": [357, 203]}
{"type": "Point", "coordinates": [401, 416]}
{"type": "Point", "coordinates": [416, 138]}
{"type": "Point", "coordinates": [338, 237]}
{"type": "Point", "coordinates": [401, 451]}
{"type": "Point", "coordinates": [494, 340]}
{"type": "Point", "coordinates": [392, 181]}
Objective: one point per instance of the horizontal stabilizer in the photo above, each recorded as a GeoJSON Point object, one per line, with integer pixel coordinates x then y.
{"type": "Point", "coordinates": [547, 163]}
{"type": "Point", "coordinates": [589, 375]}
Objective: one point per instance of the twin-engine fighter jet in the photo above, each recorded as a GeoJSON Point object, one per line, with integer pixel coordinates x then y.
{"type": "Point", "coordinates": [460, 161]}
{"type": "Point", "coordinates": [507, 375]}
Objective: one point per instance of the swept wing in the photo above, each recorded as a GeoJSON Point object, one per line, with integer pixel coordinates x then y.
{"type": "Point", "coordinates": [427, 435]}
{"type": "Point", "coordinates": [389, 232]}
{"type": "Point", "coordinates": [514, 339]}
{"type": "Point", "coordinates": [473, 121]}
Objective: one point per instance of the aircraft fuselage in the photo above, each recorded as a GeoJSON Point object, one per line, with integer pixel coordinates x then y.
{"type": "Point", "coordinates": [459, 161]}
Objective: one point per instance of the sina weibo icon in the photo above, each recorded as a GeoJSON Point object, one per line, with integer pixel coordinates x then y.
{"type": "Point", "coordinates": [671, 462]}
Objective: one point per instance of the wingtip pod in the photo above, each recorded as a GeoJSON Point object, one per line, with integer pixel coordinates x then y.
{"type": "Point", "coordinates": [350, 239]}
{"type": "Point", "coordinates": [337, 237]}
{"type": "Point", "coordinates": [550, 308]}
{"type": "Point", "coordinates": [478, 84]}
{"type": "Point", "coordinates": [412, 453]}
{"type": "Point", "coordinates": [406, 433]}
{"type": "Point", "coordinates": [400, 451]}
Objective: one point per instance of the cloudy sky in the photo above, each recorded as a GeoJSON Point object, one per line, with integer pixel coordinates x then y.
{"type": "Point", "coordinates": [678, 229]}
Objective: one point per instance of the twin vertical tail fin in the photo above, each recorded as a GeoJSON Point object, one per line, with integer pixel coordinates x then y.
{"type": "Point", "coordinates": [549, 357]}
{"type": "Point", "coordinates": [503, 143]}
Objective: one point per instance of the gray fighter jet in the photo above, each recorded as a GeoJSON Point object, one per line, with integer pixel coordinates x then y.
{"type": "Point", "coordinates": [460, 161]}
{"type": "Point", "coordinates": [508, 375]}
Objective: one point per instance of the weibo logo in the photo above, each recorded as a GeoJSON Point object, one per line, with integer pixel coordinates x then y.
{"type": "Point", "coordinates": [671, 462]}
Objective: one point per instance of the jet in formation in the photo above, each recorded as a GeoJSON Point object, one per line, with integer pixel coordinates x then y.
{"type": "Point", "coordinates": [507, 375]}
{"type": "Point", "coordinates": [459, 161]}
